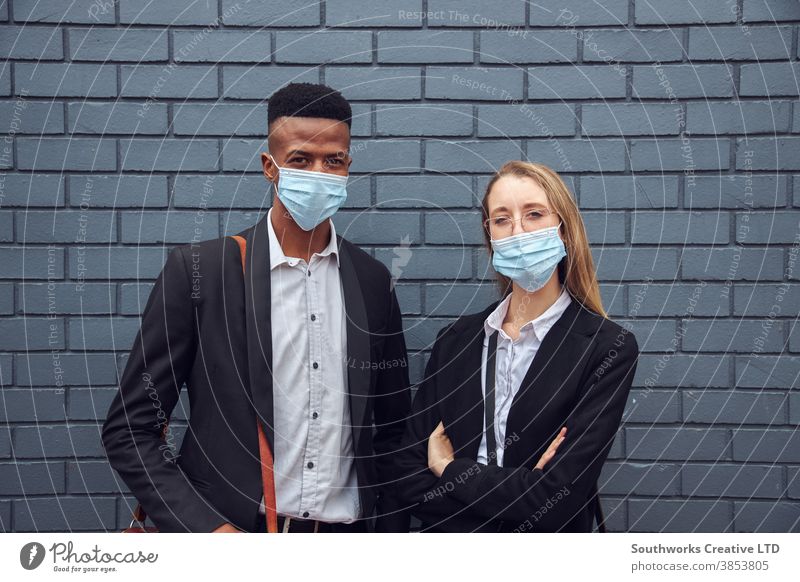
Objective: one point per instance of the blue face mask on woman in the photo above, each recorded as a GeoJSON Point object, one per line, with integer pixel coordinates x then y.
{"type": "Point", "coordinates": [310, 197]}
{"type": "Point", "coordinates": [529, 258]}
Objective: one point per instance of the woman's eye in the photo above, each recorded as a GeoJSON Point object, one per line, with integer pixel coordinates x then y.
{"type": "Point", "coordinates": [501, 220]}
{"type": "Point", "coordinates": [535, 214]}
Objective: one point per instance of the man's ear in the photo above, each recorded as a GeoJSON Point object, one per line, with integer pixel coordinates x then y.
{"type": "Point", "coordinates": [269, 168]}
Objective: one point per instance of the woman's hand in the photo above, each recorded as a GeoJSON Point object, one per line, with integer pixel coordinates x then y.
{"type": "Point", "coordinates": [551, 450]}
{"type": "Point", "coordinates": [227, 528]}
{"type": "Point", "coordinates": [440, 450]}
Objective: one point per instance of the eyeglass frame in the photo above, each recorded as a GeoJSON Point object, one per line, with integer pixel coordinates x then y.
{"type": "Point", "coordinates": [549, 212]}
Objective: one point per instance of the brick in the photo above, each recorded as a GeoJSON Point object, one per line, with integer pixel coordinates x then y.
{"type": "Point", "coordinates": [79, 11]}
{"type": "Point", "coordinates": [640, 479]}
{"type": "Point", "coordinates": [433, 119]}
{"type": "Point", "coordinates": [221, 46]}
{"type": "Point", "coordinates": [65, 80]}
{"type": "Point", "coordinates": [457, 228]}
{"type": "Point", "coordinates": [116, 262]}
{"type": "Point", "coordinates": [373, 14]}
{"type": "Point", "coordinates": [329, 46]}
{"type": "Point", "coordinates": [736, 191]}
{"type": "Point", "coordinates": [736, 264]}
{"type": "Point", "coordinates": [679, 444]}
{"type": "Point", "coordinates": [31, 334]}
{"type": "Point", "coordinates": [487, 84]}
{"type": "Point", "coordinates": [222, 119]}
{"type": "Point", "coordinates": [66, 298]}
{"type": "Point", "coordinates": [33, 405]}
{"type": "Point", "coordinates": [760, 446]}
{"type": "Point", "coordinates": [269, 13]}
{"type": "Point", "coordinates": [769, 79]}
{"type": "Point", "coordinates": [743, 117]}
{"type": "Point", "coordinates": [681, 299]}
{"type": "Point", "coordinates": [243, 155]}
{"type": "Point", "coordinates": [679, 155]}
{"type": "Point", "coordinates": [90, 333]}
{"type": "Point", "coordinates": [770, 11]}
{"type": "Point", "coordinates": [732, 336]}
{"type": "Point", "coordinates": [92, 477]}
{"type": "Point", "coordinates": [31, 190]}
{"type": "Point", "coordinates": [29, 42]}
{"type": "Point", "coordinates": [6, 298]}
{"type": "Point", "coordinates": [652, 335]}
{"type": "Point", "coordinates": [32, 478]}
{"type": "Point", "coordinates": [652, 406]}
{"type": "Point", "coordinates": [679, 515]}
{"type": "Point", "coordinates": [739, 407]}
{"type": "Point", "coordinates": [171, 227]}
{"type": "Point", "coordinates": [526, 120]}
{"type": "Point", "coordinates": [177, 13]}
{"type": "Point", "coordinates": [248, 82]}
{"type": "Point", "coordinates": [106, 44]}
{"type": "Point", "coordinates": [767, 372]}
{"type": "Point", "coordinates": [118, 191]}
{"type": "Point", "coordinates": [429, 263]}
{"type": "Point", "coordinates": [634, 264]}
{"type": "Point", "coordinates": [682, 81]}
{"type": "Point", "coordinates": [636, 192]}
{"type": "Point", "coordinates": [90, 514]}
{"type": "Point", "coordinates": [767, 227]}
{"type": "Point", "coordinates": [683, 12]}
{"type": "Point", "coordinates": [629, 119]}
{"type": "Point", "coordinates": [90, 403]}
{"type": "Point", "coordinates": [118, 117]}
{"type": "Point", "coordinates": [169, 81]}
{"type": "Point", "coordinates": [527, 47]}
{"type": "Point", "coordinates": [766, 516]}
{"type": "Point", "coordinates": [576, 82]}
{"type": "Point", "coordinates": [58, 370]}
{"type": "Point", "coordinates": [398, 228]}
{"type": "Point", "coordinates": [578, 13]}
{"type": "Point", "coordinates": [732, 480]}
{"type": "Point", "coordinates": [766, 299]}
{"type": "Point", "coordinates": [454, 300]}
{"type": "Point", "coordinates": [386, 155]}
{"type": "Point", "coordinates": [169, 154]}
{"type": "Point", "coordinates": [31, 263]}
{"type": "Point", "coordinates": [66, 226]}
{"type": "Point", "coordinates": [767, 153]}
{"type": "Point", "coordinates": [57, 153]}
{"type": "Point", "coordinates": [680, 227]}
{"type": "Point", "coordinates": [424, 191]}
{"type": "Point", "coordinates": [578, 155]}
{"type": "Point", "coordinates": [361, 83]}
{"type": "Point", "coordinates": [219, 191]}
{"type": "Point", "coordinates": [635, 46]}
{"type": "Point", "coordinates": [469, 156]}
{"type": "Point", "coordinates": [425, 46]}
{"type": "Point", "coordinates": [688, 371]}
{"type": "Point", "coordinates": [475, 13]}
{"type": "Point", "coordinates": [57, 441]}
{"type": "Point", "coordinates": [735, 43]}
{"type": "Point", "coordinates": [5, 513]}
{"type": "Point", "coordinates": [604, 227]}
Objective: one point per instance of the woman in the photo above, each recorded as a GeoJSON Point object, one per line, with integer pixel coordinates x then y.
{"type": "Point", "coordinates": [544, 369]}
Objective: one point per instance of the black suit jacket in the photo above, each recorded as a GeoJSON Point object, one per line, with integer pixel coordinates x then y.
{"type": "Point", "coordinates": [580, 378]}
{"type": "Point", "coordinates": [208, 325]}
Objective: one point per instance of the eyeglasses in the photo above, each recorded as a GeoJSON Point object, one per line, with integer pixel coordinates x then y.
{"type": "Point", "coordinates": [503, 225]}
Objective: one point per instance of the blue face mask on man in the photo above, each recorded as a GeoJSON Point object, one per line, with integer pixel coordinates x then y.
{"type": "Point", "coordinates": [529, 258]}
{"type": "Point", "coordinates": [310, 197]}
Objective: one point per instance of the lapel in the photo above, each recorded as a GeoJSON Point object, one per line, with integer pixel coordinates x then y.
{"type": "Point", "coordinates": [561, 350]}
{"type": "Point", "coordinates": [258, 323]}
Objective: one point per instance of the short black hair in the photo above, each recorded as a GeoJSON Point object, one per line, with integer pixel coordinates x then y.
{"type": "Point", "coordinates": [308, 100]}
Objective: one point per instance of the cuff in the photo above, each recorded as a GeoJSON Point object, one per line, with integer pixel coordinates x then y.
{"type": "Point", "coordinates": [458, 477]}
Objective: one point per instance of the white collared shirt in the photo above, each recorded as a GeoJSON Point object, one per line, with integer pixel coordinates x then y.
{"type": "Point", "coordinates": [513, 359]}
{"type": "Point", "coordinates": [315, 473]}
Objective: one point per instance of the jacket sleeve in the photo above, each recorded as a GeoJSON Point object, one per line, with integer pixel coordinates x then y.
{"type": "Point", "coordinates": [392, 403]}
{"type": "Point", "coordinates": [419, 486]}
{"type": "Point", "coordinates": [159, 362]}
{"type": "Point", "coordinates": [523, 494]}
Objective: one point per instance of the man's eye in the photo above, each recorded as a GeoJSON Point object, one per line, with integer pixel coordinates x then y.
{"type": "Point", "coordinates": [334, 162]}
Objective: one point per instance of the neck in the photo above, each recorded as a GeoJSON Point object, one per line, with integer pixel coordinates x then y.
{"type": "Point", "coordinates": [525, 306]}
{"type": "Point", "coordinates": [294, 241]}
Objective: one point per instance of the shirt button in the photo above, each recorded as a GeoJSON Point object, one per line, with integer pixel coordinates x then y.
{"type": "Point", "coordinates": [313, 317]}
{"type": "Point", "coordinates": [309, 273]}
{"type": "Point", "coordinates": [305, 514]}
{"type": "Point", "coordinates": [310, 464]}
{"type": "Point", "coordinates": [315, 365]}
{"type": "Point", "coordinates": [315, 415]}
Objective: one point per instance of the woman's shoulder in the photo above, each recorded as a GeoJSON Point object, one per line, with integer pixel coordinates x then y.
{"type": "Point", "coordinates": [605, 330]}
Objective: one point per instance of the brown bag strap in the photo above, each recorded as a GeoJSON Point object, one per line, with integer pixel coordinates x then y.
{"type": "Point", "coordinates": [265, 454]}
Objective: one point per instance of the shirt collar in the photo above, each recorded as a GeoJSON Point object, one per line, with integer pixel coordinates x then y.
{"type": "Point", "coordinates": [276, 256]}
{"type": "Point", "coordinates": [540, 325]}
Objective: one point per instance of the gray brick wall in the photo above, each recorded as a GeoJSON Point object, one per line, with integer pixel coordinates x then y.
{"type": "Point", "coordinates": [675, 124]}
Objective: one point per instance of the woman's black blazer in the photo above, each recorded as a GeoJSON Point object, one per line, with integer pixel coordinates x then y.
{"type": "Point", "coordinates": [580, 378]}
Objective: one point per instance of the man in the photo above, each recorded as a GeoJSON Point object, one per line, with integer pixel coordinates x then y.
{"type": "Point", "coordinates": [308, 342]}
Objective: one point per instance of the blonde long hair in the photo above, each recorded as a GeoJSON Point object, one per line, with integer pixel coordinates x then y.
{"type": "Point", "coordinates": [577, 268]}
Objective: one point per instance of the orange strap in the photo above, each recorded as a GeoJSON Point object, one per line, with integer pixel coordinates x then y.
{"type": "Point", "coordinates": [267, 465]}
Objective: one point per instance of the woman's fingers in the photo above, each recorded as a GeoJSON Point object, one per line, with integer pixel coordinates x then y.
{"type": "Point", "coordinates": [551, 450]}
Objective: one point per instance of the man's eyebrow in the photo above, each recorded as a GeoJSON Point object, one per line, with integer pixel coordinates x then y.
{"type": "Point", "coordinates": [297, 152]}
